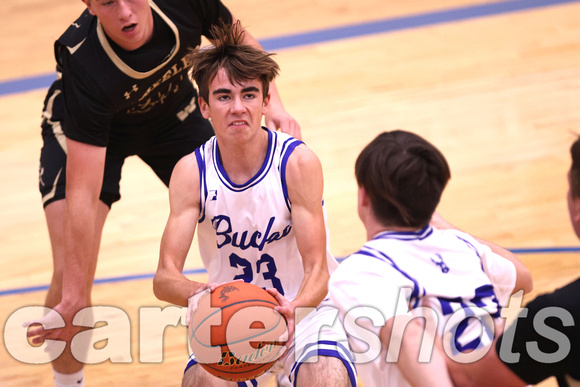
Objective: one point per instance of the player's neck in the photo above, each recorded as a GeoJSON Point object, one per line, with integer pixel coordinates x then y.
{"type": "Point", "coordinates": [243, 161]}
{"type": "Point", "coordinates": [375, 229]}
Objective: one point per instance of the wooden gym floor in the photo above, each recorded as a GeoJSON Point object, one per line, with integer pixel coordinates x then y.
{"type": "Point", "coordinates": [494, 84]}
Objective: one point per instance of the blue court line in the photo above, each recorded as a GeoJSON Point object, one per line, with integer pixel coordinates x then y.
{"type": "Point", "coordinates": [407, 22]}
{"type": "Point", "coordinates": [546, 250]}
{"type": "Point", "coordinates": [346, 32]}
{"type": "Point", "coordinates": [98, 281]}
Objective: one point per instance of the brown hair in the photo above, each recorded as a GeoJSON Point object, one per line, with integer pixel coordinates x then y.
{"type": "Point", "coordinates": [404, 176]}
{"type": "Point", "coordinates": [242, 62]}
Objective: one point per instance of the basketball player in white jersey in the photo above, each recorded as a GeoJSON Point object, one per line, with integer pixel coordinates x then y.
{"type": "Point", "coordinates": [410, 268]}
{"type": "Point", "coordinates": [255, 197]}
{"type": "Point", "coordinates": [121, 90]}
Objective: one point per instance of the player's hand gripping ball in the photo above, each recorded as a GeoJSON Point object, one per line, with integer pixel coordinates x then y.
{"type": "Point", "coordinates": [234, 332]}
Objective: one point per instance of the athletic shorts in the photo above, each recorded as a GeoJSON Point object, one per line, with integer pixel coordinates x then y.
{"type": "Point", "coordinates": [314, 336]}
{"type": "Point", "coordinates": [161, 154]}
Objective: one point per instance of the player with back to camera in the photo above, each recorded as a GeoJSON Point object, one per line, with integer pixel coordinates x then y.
{"type": "Point", "coordinates": [544, 339]}
{"type": "Point", "coordinates": [410, 264]}
{"type": "Point", "coordinates": [122, 89]}
{"type": "Point", "coordinates": [255, 197]}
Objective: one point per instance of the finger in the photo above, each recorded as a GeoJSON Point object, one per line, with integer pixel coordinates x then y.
{"type": "Point", "coordinates": [49, 321]}
{"type": "Point", "coordinates": [276, 294]}
{"type": "Point", "coordinates": [193, 302]}
{"type": "Point", "coordinates": [38, 340]}
{"type": "Point", "coordinates": [46, 335]}
{"type": "Point", "coordinates": [36, 332]}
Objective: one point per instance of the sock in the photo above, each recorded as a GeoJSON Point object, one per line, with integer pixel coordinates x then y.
{"type": "Point", "coordinates": [69, 380]}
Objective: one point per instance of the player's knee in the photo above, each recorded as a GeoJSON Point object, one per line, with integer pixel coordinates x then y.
{"type": "Point", "coordinates": [190, 377]}
{"type": "Point", "coordinates": [326, 371]}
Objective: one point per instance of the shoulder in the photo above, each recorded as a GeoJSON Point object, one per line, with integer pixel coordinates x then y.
{"type": "Point", "coordinates": [303, 177]}
{"type": "Point", "coordinates": [186, 164]}
{"type": "Point", "coordinates": [185, 174]}
{"type": "Point", "coordinates": [303, 160]}
{"type": "Point", "coordinates": [78, 31]}
{"type": "Point", "coordinates": [364, 264]}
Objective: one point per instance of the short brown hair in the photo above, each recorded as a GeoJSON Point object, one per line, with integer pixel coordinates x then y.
{"type": "Point", "coordinates": [242, 62]}
{"type": "Point", "coordinates": [404, 176]}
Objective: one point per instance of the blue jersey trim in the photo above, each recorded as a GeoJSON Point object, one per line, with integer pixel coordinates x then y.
{"type": "Point", "coordinates": [471, 246]}
{"type": "Point", "coordinates": [342, 353]}
{"type": "Point", "coordinates": [266, 165]}
{"type": "Point", "coordinates": [287, 149]}
{"type": "Point", "coordinates": [199, 152]}
{"type": "Point", "coordinates": [406, 235]}
{"type": "Point", "coordinates": [417, 290]}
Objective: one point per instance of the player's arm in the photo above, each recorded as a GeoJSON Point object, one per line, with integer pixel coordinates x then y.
{"type": "Point", "coordinates": [305, 188]}
{"type": "Point", "coordinates": [477, 373]}
{"type": "Point", "coordinates": [431, 373]}
{"type": "Point", "coordinates": [169, 284]}
{"type": "Point", "coordinates": [276, 117]}
{"type": "Point", "coordinates": [84, 177]}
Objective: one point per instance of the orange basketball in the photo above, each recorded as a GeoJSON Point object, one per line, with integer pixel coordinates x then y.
{"type": "Point", "coordinates": [234, 331]}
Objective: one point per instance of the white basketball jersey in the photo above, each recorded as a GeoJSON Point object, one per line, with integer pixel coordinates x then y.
{"type": "Point", "coordinates": [245, 231]}
{"type": "Point", "coordinates": [445, 271]}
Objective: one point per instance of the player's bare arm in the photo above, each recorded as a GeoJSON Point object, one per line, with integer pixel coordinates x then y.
{"type": "Point", "coordinates": [169, 284]}
{"type": "Point", "coordinates": [305, 188]}
{"type": "Point", "coordinates": [85, 166]}
{"type": "Point", "coordinates": [431, 373]}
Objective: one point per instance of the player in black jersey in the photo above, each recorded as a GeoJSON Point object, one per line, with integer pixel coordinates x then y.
{"type": "Point", "coordinates": [122, 89]}
{"type": "Point", "coordinates": [544, 340]}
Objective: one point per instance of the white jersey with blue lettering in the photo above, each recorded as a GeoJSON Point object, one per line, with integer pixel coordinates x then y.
{"type": "Point", "coordinates": [245, 231]}
{"type": "Point", "coordinates": [445, 271]}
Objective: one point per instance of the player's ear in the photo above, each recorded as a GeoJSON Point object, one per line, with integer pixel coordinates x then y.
{"type": "Point", "coordinates": [203, 108]}
{"type": "Point", "coordinates": [363, 197]}
{"type": "Point", "coordinates": [266, 104]}
{"type": "Point", "coordinates": [89, 7]}
{"type": "Point", "coordinates": [575, 202]}
{"type": "Point", "coordinates": [363, 204]}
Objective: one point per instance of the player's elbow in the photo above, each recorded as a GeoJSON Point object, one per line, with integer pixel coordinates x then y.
{"type": "Point", "coordinates": [158, 286]}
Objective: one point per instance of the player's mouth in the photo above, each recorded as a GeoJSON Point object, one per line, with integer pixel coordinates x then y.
{"type": "Point", "coordinates": [239, 123]}
{"type": "Point", "coordinates": [130, 27]}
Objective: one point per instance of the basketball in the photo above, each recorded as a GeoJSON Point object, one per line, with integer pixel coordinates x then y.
{"type": "Point", "coordinates": [234, 331]}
